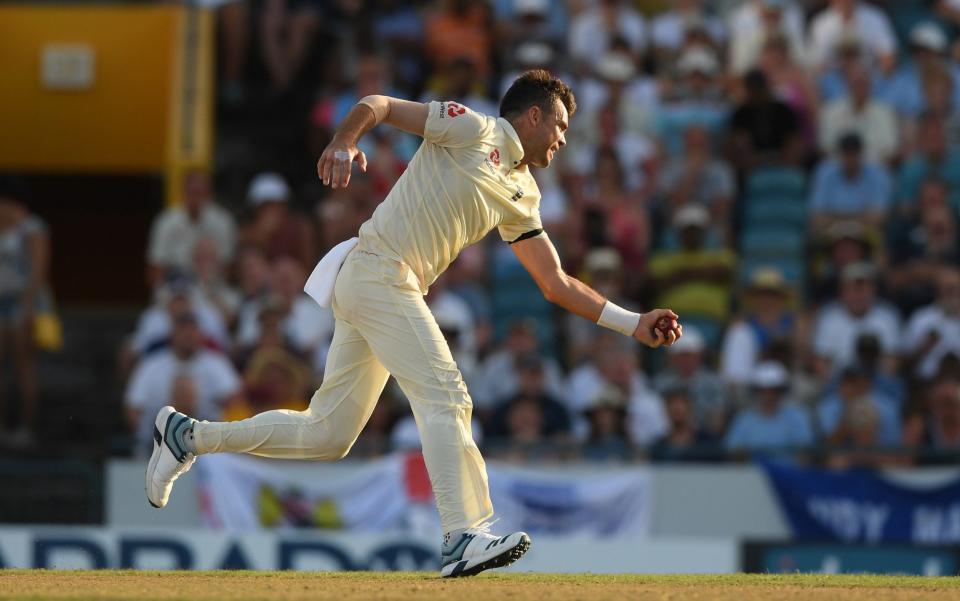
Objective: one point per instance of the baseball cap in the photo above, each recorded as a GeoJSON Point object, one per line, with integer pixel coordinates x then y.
{"type": "Point", "coordinates": [858, 271]}
{"type": "Point", "coordinates": [770, 374]}
{"type": "Point", "coordinates": [846, 230]}
{"type": "Point", "coordinates": [603, 259]}
{"type": "Point", "coordinates": [698, 60]}
{"type": "Point", "coordinates": [531, 7]}
{"type": "Point", "coordinates": [768, 278]}
{"type": "Point", "coordinates": [616, 67]}
{"type": "Point", "coordinates": [534, 53]}
{"type": "Point", "coordinates": [928, 35]}
{"type": "Point", "coordinates": [608, 397]}
{"type": "Point", "coordinates": [691, 215]}
{"type": "Point", "coordinates": [268, 187]}
{"type": "Point", "coordinates": [690, 342]}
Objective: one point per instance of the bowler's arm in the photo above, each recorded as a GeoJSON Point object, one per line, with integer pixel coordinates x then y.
{"type": "Point", "coordinates": [540, 258]}
{"type": "Point", "coordinates": [337, 159]}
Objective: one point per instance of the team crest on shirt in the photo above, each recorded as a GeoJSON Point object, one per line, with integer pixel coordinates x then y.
{"type": "Point", "coordinates": [495, 157]}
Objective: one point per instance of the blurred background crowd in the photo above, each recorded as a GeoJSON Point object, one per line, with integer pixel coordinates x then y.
{"type": "Point", "coordinates": [783, 174]}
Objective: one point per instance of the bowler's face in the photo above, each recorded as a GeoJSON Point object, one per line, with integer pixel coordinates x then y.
{"type": "Point", "coordinates": [550, 135]}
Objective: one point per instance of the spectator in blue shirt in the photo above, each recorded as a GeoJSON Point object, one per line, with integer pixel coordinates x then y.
{"type": "Point", "coordinates": [933, 159]}
{"type": "Point", "coordinates": [848, 187]}
{"type": "Point", "coordinates": [856, 388]}
{"type": "Point", "coordinates": [905, 89]}
{"type": "Point", "coordinates": [773, 422]}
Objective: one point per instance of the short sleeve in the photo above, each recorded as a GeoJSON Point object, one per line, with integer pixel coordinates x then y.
{"type": "Point", "coordinates": [452, 124]}
{"type": "Point", "coordinates": [521, 229]}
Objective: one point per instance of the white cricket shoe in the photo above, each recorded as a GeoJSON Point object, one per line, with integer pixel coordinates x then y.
{"type": "Point", "coordinates": [169, 459]}
{"type": "Point", "coordinates": [478, 550]}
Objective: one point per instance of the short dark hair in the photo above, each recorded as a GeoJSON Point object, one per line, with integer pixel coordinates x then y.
{"type": "Point", "coordinates": [536, 88]}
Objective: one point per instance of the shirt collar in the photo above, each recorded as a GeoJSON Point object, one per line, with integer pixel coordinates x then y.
{"type": "Point", "coordinates": [514, 147]}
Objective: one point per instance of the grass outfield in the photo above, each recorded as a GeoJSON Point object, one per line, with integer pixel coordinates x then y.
{"type": "Point", "coordinates": [348, 586]}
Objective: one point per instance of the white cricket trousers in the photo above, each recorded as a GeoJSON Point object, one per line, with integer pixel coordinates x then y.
{"type": "Point", "coordinates": [383, 327]}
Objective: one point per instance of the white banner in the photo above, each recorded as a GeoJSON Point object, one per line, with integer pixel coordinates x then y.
{"type": "Point", "coordinates": [393, 494]}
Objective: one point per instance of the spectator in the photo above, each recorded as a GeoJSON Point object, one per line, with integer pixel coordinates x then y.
{"type": "Point", "coordinates": [849, 415]}
{"type": "Point", "coordinates": [592, 32]}
{"type": "Point", "coordinates": [693, 280]}
{"type": "Point", "coordinates": [773, 422]}
{"type": "Point", "coordinates": [847, 242]}
{"type": "Point", "coordinates": [498, 376]}
{"type": "Point", "coordinates": [754, 22]}
{"type": "Point", "coordinates": [697, 176]}
{"type": "Point", "coordinates": [209, 272]}
{"type": "Point", "coordinates": [858, 439]}
{"type": "Point", "coordinates": [253, 278]}
{"type": "Point", "coordinates": [849, 187]}
{"type": "Point", "coordinates": [767, 320]}
{"type": "Point", "coordinates": [687, 368]}
{"type": "Point", "coordinates": [177, 229]}
{"type": "Point", "coordinates": [857, 311]}
{"type": "Point", "coordinates": [155, 326]}
{"type": "Point", "coordinates": [286, 31]}
{"type": "Point", "coordinates": [460, 29]}
{"type": "Point", "coordinates": [535, 21]}
{"type": "Point", "coordinates": [860, 112]}
{"type": "Point", "coordinates": [275, 229]}
{"type": "Point", "coordinates": [792, 84]}
{"type": "Point", "coordinates": [929, 64]}
{"type": "Point", "coordinates": [927, 247]}
{"type": "Point", "coordinates": [215, 384]}
{"type": "Point", "coordinates": [933, 332]}
{"type": "Point", "coordinates": [852, 19]}
{"type": "Point", "coordinates": [24, 293]}
{"type": "Point", "coordinates": [532, 416]}
{"type": "Point", "coordinates": [934, 159]}
{"type": "Point", "coordinates": [612, 365]}
{"type": "Point", "coordinates": [687, 23]}
{"type": "Point", "coordinates": [465, 278]}
{"type": "Point", "coordinates": [306, 326]}
{"type": "Point", "coordinates": [607, 438]}
{"type": "Point", "coordinates": [694, 96]}
{"type": "Point", "coordinates": [604, 273]}
{"type": "Point", "coordinates": [460, 81]}
{"type": "Point", "coordinates": [935, 430]}
{"type": "Point", "coordinates": [763, 129]}
{"type": "Point", "coordinates": [685, 441]}
{"type": "Point", "coordinates": [274, 378]}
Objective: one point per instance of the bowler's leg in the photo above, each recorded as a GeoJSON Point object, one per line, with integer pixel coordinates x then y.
{"type": "Point", "coordinates": [352, 383]}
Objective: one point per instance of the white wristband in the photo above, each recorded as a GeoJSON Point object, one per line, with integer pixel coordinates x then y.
{"type": "Point", "coordinates": [619, 319]}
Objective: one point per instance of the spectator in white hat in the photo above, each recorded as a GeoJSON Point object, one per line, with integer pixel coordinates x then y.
{"type": "Point", "coordinates": [694, 277]}
{"type": "Point", "coordinates": [907, 89]}
{"type": "Point", "coordinates": [592, 30]}
{"type": "Point", "coordinates": [275, 229]}
{"type": "Point", "coordinates": [177, 229]}
{"type": "Point", "coordinates": [852, 19]}
{"type": "Point", "coordinates": [857, 311]}
{"type": "Point", "coordinates": [687, 366]}
{"type": "Point", "coordinates": [754, 22]}
{"type": "Point", "coordinates": [772, 422]}
{"type": "Point", "coordinates": [688, 22]}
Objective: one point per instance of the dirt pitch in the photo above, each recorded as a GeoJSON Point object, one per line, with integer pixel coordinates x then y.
{"type": "Point", "coordinates": [20, 585]}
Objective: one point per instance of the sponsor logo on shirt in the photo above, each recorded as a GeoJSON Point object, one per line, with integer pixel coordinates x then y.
{"type": "Point", "coordinates": [452, 109]}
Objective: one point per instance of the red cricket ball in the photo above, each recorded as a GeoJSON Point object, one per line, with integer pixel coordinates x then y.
{"type": "Point", "coordinates": [664, 324]}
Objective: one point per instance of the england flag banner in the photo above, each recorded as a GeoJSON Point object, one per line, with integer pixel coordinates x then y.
{"type": "Point", "coordinates": [860, 505]}
{"type": "Point", "coordinates": [393, 494]}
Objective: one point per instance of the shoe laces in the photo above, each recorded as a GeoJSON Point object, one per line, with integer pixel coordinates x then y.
{"type": "Point", "coordinates": [484, 528]}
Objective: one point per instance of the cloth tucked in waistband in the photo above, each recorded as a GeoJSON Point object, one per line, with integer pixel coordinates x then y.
{"type": "Point", "coordinates": [321, 282]}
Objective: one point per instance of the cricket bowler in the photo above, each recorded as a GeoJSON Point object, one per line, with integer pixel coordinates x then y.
{"type": "Point", "coordinates": [470, 175]}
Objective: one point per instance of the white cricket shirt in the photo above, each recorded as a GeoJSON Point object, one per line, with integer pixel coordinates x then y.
{"type": "Point", "coordinates": [462, 182]}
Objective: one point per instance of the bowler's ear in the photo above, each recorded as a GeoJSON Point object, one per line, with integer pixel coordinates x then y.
{"type": "Point", "coordinates": [534, 114]}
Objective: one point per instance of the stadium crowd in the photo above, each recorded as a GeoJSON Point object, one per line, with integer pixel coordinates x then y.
{"type": "Point", "coordinates": [784, 175]}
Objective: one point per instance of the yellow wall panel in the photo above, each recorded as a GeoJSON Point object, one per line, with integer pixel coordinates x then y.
{"type": "Point", "coordinates": [121, 122]}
